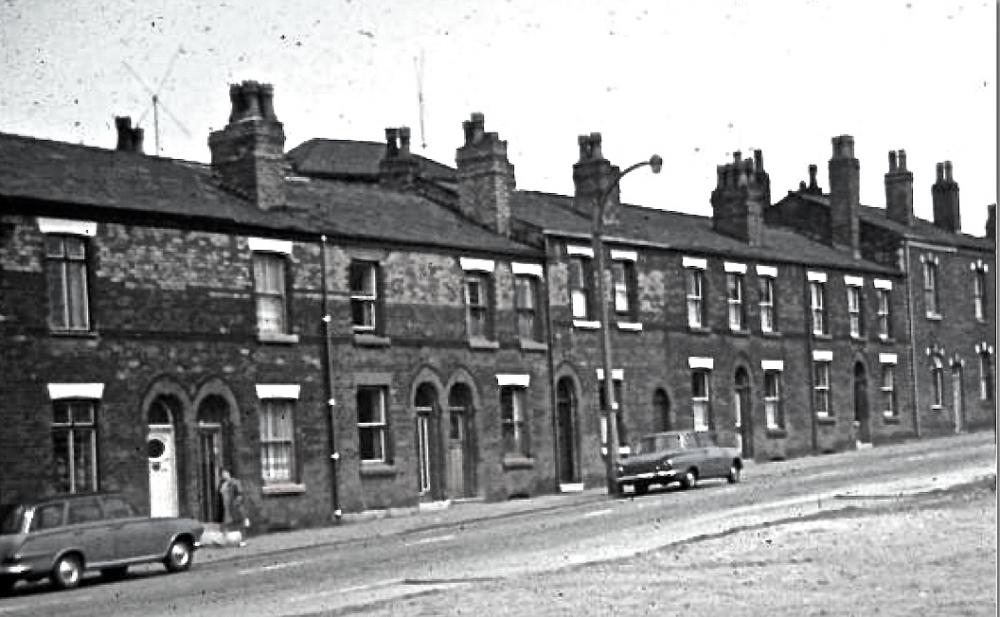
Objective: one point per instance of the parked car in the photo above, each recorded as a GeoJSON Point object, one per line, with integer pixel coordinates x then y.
{"type": "Point", "coordinates": [62, 536]}
{"type": "Point", "coordinates": [678, 456]}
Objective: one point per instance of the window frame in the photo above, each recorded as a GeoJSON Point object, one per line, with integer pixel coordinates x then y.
{"type": "Point", "coordinates": [735, 302]}
{"type": "Point", "coordinates": [702, 402]}
{"type": "Point", "coordinates": [774, 413]}
{"type": "Point", "coordinates": [580, 281]}
{"type": "Point", "coordinates": [986, 377]}
{"type": "Point", "coordinates": [887, 387]}
{"type": "Point", "coordinates": [856, 311]}
{"type": "Point", "coordinates": [72, 428]}
{"type": "Point", "coordinates": [379, 426]}
{"type": "Point", "coordinates": [931, 300]}
{"type": "Point", "coordinates": [369, 302]}
{"type": "Point", "coordinates": [482, 311]}
{"type": "Point", "coordinates": [979, 293]}
{"type": "Point", "coordinates": [269, 440]}
{"type": "Point", "coordinates": [817, 308]}
{"type": "Point", "coordinates": [937, 383]}
{"type": "Point", "coordinates": [61, 266]}
{"type": "Point", "coordinates": [514, 428]}
{"type": "Point", "coordinates": [822, 389]}
{"type": "Point", "coordinates": [767, 305]}
{"type": "Point", "coordinates": [884, 313]}
{"type": "Point", "coordinates": [280, 263]}
{"type": "Point", "coordinates": [625, 289]}
{"type": "Point", "coordinates": [525, 314]}
{"type": "Point", "coordinates": [694, 287]}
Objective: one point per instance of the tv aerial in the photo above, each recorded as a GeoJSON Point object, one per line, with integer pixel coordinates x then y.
{"type": "Point", "coordinates": [155, 103]}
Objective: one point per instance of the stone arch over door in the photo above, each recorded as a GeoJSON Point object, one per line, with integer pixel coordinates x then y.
{"type": "Point", "coordinates": [166, 408]}
{"type": "Point", "coordinates": [862, 421]}
{"type": "Point", "coordinates": [462, 438]}
{"type": "Point", "coordinates": [567, 427]}
{"type": "Point", "coordinates": [743, 411]}
{"type": "Point", "coordinates": [216, 444]}
{"type": "Point", "coordinates": [426, 393]}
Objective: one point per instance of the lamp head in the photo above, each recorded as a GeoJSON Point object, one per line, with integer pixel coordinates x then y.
{"type": "Point", "coordinates": [656, 163]}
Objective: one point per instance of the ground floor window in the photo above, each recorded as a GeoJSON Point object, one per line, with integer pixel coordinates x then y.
{"type": "Point", "coordinates": [513, 421]}
{"type": "Point", "coordinates": [773, 414]}
{"type": "Point", "coordinates": [373, 438]}
{"type": "Point", "coordinates": [985, 376]}
{"type": "Point", "coordinates": [74, 442]}
{"type": "Point", "coordinates": [700, 399]}
{"type": "Point", "coordinates": [937, 382]}
{"type": "Point", "coordinates": [821, 389]}
{"type": "Point", "coordinates": [888, 390]}
{"type": "Point", "coordinates": [277, 441]}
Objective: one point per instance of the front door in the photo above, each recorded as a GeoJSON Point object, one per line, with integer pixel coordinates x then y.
{"type": "Point", "coordinates": [210, 465]}
{"type": "Point", "coordinates": [456, 452]}
{"type": "Point", "coordinates": [957, 398]}
{"type": "Point", "coordinates": [565, 431]}
{"type": "Point", "coordinates": [161, 452]}
{"type": "Point", "coordinates": [862, 426]}
{"type": "Point", "coordinates": [742, 414]}
{"type": "Point", "coordinates": [423, 454]}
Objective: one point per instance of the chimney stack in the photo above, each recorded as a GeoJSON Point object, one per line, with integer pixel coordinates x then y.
{"type": "Point", "coordinates": [944, 195]}
{"type": "Point", "coordinates": [845, 195]}
{"type": "Point", "coordinates": [485, 176]}
{"type": "Point", "coordinates": [899, 189]}
{"type": "Point", "coordinates": [398, 168]}
{"type": "Point", "coordinates": [248, 154]}
{"type": "Point", "coordinates": [592, 175]}
{"type": "Point", "coordinates": [129, 139]}
{"type": "Point", "coordinates": [742, 193]}
{"type": "Point", "coordinates": [813, 188]}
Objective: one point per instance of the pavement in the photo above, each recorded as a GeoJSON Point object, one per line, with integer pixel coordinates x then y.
{"type": "Point", "coordinates": [378, 524]}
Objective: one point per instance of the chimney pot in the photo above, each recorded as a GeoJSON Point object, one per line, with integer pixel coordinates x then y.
{"type": "Point", "coordinates": [892, 161]}
{"type": "Point", "coordinates": [251, 99]}
{"type": "Point", "coordinates": [391, 144]}
{"type": "Point", "coordinates": [267, 102]}
{"type": "Point", "coordinates": [758, 160]}
{"type": "Point", "coordinates": [737, 157]}
{"type": "Point", "coordinates": [595, 146]}
{"type": "Point", "coordinates": [843, 147]}
{"type": "Point", "coordinates": [902, 160]}
{"type": "Point", "coordinates": [947, 172]}
{"type": "Point", "coordinates": [940, 172]}
{"type": "Point", "coordinates": [812, 177]}
{"type": "Point", "coordinates": [802, 185]}
{"type": "Point", "coordinates": [404, 139]}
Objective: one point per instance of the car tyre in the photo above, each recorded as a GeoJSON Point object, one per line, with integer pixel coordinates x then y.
{"type": "Point", "coordinates": [735, 473]}
{"type": "Point", "coordinates": [6, 585]}
{"type": "Point", "coordinates": [114, 574]}
{"type": "Point", "coordinates": [67, 572]}
{"type": "Point", "coordinates": [690, 479]}
{"type": "Point", "coordinates": [641, 489]}
{"type": "Point", "coordinates": [179, 556]}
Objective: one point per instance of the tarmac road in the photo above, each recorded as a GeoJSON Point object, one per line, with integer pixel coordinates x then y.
{"type": "Point", "coordinates": [354, 566]}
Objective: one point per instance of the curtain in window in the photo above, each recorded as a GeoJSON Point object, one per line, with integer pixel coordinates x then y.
{"type": "Point", "coordinates": [269, 284]}
{"type": "Point", "coordinates": [277, 441]}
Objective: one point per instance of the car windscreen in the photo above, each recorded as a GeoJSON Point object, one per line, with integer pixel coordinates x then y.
{"type": "Point", "coordinates": [657, 443]}
{"type": "Point", "coordinates": [11, 516]}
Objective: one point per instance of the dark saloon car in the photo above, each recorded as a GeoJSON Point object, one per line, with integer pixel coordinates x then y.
{"type": "Point", "coordinates": [678, 456]}
{"type": "Point", "coordinates": [60, 537]}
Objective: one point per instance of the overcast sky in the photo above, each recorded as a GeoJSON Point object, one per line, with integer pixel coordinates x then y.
{"type": "Point", "coordinates": [692, 81]}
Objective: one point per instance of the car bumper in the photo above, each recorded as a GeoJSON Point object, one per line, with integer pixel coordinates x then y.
{"type": "Point", "coordinates": [14, 569]}
{"type": "Point", "coordinates": [649, 477]}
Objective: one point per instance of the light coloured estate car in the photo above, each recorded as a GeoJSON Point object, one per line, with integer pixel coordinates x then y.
{"type": "Point", "coordinates": [678, 456]}
{"type": "Point", "coordinates": [62, 536]}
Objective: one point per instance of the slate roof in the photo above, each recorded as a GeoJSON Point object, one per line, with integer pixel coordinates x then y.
{"type": "Point", "coordinates": [921, 229]}
{"type": "Point", "coordinates": [337, 158]}
{"type": "Point", "coordinates": [684, 232]}
{"type": "Point", "coordinates": [69, 177]}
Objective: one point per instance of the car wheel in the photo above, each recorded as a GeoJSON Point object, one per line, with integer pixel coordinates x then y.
{"type": "Point", "coordinates": [690, 479]}
{"type": "Point", "coordinates": [179, 556]}
{"type": "Point", "coordinates": [115, 573]}
{"type": "Point", "coordinates": [67, 572]}
{"type": "Point", "coordinates": [6, 585]}
{"type": "Point", "coordinates": [641, 489]}
{"type": "Point", "coordinates": [735, 473]}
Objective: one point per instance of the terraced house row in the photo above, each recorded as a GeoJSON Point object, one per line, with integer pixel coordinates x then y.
{"type": "Point", "coordinates": [350, 326]}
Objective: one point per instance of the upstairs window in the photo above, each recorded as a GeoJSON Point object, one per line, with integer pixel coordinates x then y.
{"type": "Point", "coordinates": [277, 441]}
{"type": "Point", "coordinates": [817, 307]}
{"type": "Point", "coordinates": [581, 277]}
{"type": "Point", "coordinates": [365, 297]}
{"type": "Point", "coordinates": [74, 441]}
{"type": "Point", "coordinates": [701, 399]}
{"type": "Point", "coordinates": [855, 311]}
{"type": "Point", "coordinates": [734, 300]}
{"type": "Point", "coordinates": [695, 279]}
{"type": "Point", "coordinates": [66, 276]}
{"type": "Point", "coordinates": [930, 286]}
{"type": "Point", "coordinates": [979, 293]}
{"type": "Point", "coordinates": [768, 315]}
{"type": "Point", "coordinates": [884, 315]}
{"type": "Point", "coordinates": [270, 292]}
{"type": "Point", "coordinates": [478, 302]}
{"type": "Point", "coordinates": [526, 303]}
{"type": "Point", "coordinates": [625, 286]}
{"type": "Point", "coordinates": [513, 421]}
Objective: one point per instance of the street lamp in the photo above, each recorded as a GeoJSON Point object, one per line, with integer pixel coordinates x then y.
{"type": "Point", "coordinates": [597, 229]}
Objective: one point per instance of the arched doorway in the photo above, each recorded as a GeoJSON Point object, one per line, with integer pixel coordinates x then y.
{"type": "Point", "coordinates": [461, 442]}
{"type": "Point", "coordinates": [161, 451]}
{"type": "Point", "coordinates": [566, 403]}
{"type": "Point", "coordinates": [957, 398]}
{"type": "Point", "coordinates": [862, 427]}
{"type": "Point", "coordinates": [742, 416]}
{"type": "Point", "coordinates": [661, 407]}
{"type": "Point", "coordinates": [213, 428]}
{"type": "Point", "coordinates": [425, 407]}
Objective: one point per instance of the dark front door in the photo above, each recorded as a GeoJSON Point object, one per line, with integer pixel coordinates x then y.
{"type": "Point", "coordinates": [210, 465]}
{"type": "Point", "coordinates": [566, 431]}
{"type": "Point", "coordinates": [861, 423]}
{"type": "Point", "coordinates": [741, 413]}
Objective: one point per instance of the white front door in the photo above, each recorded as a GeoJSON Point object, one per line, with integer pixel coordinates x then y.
{"type": "Point", "coordinates": [162, 471]}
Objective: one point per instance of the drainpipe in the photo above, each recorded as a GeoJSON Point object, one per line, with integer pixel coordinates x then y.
{"type": "Point", "coordinates": [328, 381]}
{"type": "Point", "coordinates": [550, 339]}
{"type": "Point", "coordinates": [913, 340]}
{"type": "Point", "coordinates": [809, 362]}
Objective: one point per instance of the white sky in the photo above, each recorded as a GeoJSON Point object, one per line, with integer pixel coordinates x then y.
{"type": "Point", "coordinates": [692, 81]}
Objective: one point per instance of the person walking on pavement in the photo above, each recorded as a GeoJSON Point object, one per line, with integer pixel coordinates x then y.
{"type": "Point", "coordinates": [234, 517]}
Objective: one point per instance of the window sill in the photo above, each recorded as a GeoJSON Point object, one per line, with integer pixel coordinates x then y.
{"type": "Point", "coordinates": [82, 334]}
{"type": "Point", "coordinates": [630, 326]}
{"type": "Point", "coordinates": [532, 345]}
{"type": "Point", "coordinates": [890, 419]}
{"type": "Point", "coordinates": [699, 329]}
{"type": "Point", "coordinates": [367, 339]}
{"type": "Point", "coordinates": [858, 338]}
{"type": "Point", "coordinates": [276, 337]}
{"type": "Point", "coordinates": [933, 316]}
{"type": "Point", "coordinates": [482, 343]}
{"type": "Point", "coordinates": [739, 332]}
{"type": "Point", "coordinates": [828, 420]}
{"type": "Point", "coordinates": [283, 489]}
{"type": "Point", "coordinates": [822, 336]}
{"type": "Point", "coordinates": [585, 324]}
{"type": "Point", "coordinates": [938, 408]}
{"type": "Point", "coordinates": [771, 334]}
{"type": "Point", "coordinates": [517, 462]}
{"type": "Point", "coordinates": [776, 433]}
{"type": "Point", "coordinates": [373, 469]}
{"type": "Point", "coordinates": [887, 340]}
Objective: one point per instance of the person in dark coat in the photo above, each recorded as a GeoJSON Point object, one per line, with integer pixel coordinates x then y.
{"type": "Point", "coordinates": [233, 512]}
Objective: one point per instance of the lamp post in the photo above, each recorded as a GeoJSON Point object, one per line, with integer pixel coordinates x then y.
{"type": "Point", "coordinates": [610, 413]}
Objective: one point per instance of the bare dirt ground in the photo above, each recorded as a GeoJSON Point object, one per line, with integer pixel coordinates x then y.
{"type": "Point", "coordinates": [929, 554]}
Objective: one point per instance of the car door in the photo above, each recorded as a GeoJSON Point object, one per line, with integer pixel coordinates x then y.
{"type": "Point", "coordinates": [88, 530]}
{"type": "Point", "coordinates": [711, 455]}
{"type": "Point", "coordinates": [47, 536]}
{"type": "Point", "coordinates": [135, 537]}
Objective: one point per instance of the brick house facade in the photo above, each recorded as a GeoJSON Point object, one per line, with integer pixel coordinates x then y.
{"type": "Point", "coordinates": [350, 326]}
